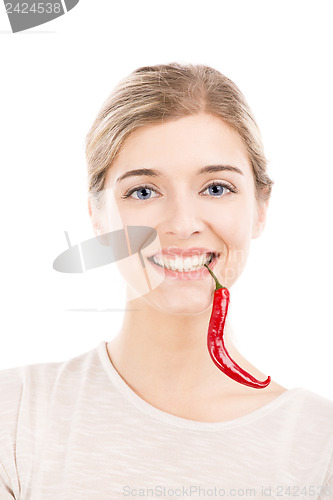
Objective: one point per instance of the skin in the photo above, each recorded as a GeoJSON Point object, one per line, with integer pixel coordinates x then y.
{"type": "Point", "coordinates": [160, 350]}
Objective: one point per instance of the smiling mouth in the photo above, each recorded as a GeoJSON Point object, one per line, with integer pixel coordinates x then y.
{"type": "Point", "coordinates": [184, 264]}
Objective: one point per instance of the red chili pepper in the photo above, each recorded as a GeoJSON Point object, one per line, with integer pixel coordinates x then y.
{"type": "Point", "coordinates": [215, 342]}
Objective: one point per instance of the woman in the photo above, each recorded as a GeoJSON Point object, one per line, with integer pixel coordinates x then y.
{"type": "Point", "coordinates": [175, 148]}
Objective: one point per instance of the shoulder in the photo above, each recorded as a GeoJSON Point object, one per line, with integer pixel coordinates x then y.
{"type": "Point", "coordinates": [31, 396]}
{"type": "Point", "coordinates": [35, 385]}
{"type": "Point", "coordinates": [314, 403]}
{"type": "Point", "coordinates": [311, 414]}
{"type": "Point", "coordinates": [319, 412]}
{"type": "Point", "coordinates": [24, 385]}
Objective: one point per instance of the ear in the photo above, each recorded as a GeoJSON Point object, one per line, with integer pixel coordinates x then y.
{"type": "Point", "coordinates": [260, 218]}
{"type": "Point", "coordinates": [94, 218]}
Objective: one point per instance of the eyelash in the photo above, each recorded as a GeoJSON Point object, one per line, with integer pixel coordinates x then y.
{"type": "Point", "coordinates": [145, 186]}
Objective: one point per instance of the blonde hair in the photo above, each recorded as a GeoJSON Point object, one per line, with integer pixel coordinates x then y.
{"type": "Point", "coordinates": [153, 94]}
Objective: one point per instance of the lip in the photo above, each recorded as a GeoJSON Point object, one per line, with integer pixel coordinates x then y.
{"type": "Point", "coordinates": [184, 252]}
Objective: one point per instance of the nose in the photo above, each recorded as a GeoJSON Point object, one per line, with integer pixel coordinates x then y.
{"type": "Point", "coordinates": [182, 217]}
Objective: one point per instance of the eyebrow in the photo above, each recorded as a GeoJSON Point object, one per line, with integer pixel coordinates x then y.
{"type": "Point", "coordinates": [156, 173]}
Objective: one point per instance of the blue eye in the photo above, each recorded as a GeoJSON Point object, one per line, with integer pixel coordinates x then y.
{"type": "Point", "coordinates": [139, 189]}
{"type": "Point", "coordinates": [218, 189]}
{"type": "Point", "coordinates": [221, 188]}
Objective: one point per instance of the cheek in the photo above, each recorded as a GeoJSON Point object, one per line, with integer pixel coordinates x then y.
{"type": "Point", "coordinates": [117, 215]}
{"type": "Point", "coordinates": [134, 214]}
{"type": "Point", "coordinates": [234, 227]}
{"type": "Point", "coordinates": [111, 213]}
{"type": "Point", "coordinates": [136, 271]}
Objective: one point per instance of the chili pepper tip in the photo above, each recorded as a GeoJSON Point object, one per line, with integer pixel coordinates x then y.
{"type": "Point", "coordinates": [218, 284]}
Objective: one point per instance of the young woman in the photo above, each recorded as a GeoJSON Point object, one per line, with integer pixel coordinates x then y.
{"type": "Point", "coordinates": [176, 148]}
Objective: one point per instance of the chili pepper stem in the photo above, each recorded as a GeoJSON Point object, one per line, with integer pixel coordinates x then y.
{"type": "Point", "coordinates": [218, 284]}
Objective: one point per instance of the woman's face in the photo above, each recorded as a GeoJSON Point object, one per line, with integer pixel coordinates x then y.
{"type": "Point", "coordinates": [215, 210]}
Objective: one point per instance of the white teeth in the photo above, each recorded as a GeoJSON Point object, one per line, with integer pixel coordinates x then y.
{"type": "Point", "coordinates": [203, 259]}
{"type": "Point", "coordinates": [187, 264]}
{"type": "Point", "coordinates": [195, 260]}
{"type": "Point", "coordinates": [180, 264]}
{"type": "Point", "coordinates": [158, 260]}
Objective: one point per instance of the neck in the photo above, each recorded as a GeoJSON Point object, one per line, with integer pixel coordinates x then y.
{"type": "Point", "coordinates": [161, 354]}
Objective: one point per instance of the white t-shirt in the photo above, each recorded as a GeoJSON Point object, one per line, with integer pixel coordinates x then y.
{"type": "Point", "coordinates": [74, 430]}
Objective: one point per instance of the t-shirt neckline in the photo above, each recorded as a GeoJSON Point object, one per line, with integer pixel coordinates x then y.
{"type": "Point", "coordinates": [174, 420]}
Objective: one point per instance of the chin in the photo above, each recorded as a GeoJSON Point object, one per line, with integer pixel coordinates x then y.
{"type": "Point", "coordinates": [181, 303]}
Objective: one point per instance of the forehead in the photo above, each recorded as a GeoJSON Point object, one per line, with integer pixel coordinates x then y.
{"type": "Point", "coordinates": [182, 145]}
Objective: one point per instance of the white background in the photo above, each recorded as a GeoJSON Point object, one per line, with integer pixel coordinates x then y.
{"type": "Point", "coordinates": [54, 79]}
